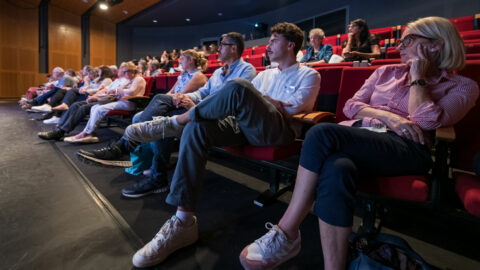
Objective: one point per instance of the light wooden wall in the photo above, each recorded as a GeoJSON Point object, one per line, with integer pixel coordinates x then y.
{"type": "Point", "coordinates": [64, 39]}
{"type": "Point", "coordinates": [102, 42]}
{"type": "Point", "coordinates": [18, 50]}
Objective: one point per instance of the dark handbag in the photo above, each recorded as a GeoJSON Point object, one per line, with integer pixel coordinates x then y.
{"type": "Point", "coordinates": [383, 252]}
{"type": "Point", "coordinates": [107, 99]}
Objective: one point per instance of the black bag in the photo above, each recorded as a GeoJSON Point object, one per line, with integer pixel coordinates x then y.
{"type": "Point", "coordinates": [383, 252]}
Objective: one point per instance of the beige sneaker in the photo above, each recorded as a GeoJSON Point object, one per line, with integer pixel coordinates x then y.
{"type": "Point", "coordinates": [87, 139]}
{"type": "Point", "coordinates": [270, 250]}
{"type": "Point", "coordinates": [171, 237]}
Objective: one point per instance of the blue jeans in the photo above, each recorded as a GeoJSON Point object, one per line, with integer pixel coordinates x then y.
{"type": "Point", "coordinates": [160, 105]}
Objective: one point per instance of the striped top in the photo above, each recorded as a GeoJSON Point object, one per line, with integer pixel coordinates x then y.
{"type": "Point", "coordinates": [388, 89]}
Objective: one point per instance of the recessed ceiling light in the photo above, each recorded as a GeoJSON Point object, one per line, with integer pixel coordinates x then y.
{"type": "Point", "coordinates": [103, 6]}
{"type": "Point", "coordinates": [85, 1]}
{"type": "Point", "coordinates": [187, 19]}
{"type": "Point", "coordinates": [155, 21]}
{"type": "Point", "coordinates": [220, 14]}
{"type": "Point", "coordinates": [125, 12]}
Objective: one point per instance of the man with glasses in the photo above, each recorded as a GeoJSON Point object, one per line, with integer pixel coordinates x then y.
{"type": "Point", "coordinates": [231, 48]}
{"type": "Point", "coordinates": [257, 113]}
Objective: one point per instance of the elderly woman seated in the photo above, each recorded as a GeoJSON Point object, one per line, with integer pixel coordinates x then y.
{"type": "Point", "coordinates": [404, 103]}
{"type": "Point", "coordinates": [128, 84]}
{"type": "Point", "coordinates": [317, 52]}
{"type": "Point", "coordinates": [98, 79]}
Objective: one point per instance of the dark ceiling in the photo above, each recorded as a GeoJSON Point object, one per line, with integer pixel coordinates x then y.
{"type": "Point", "coordinates": [175, 12]}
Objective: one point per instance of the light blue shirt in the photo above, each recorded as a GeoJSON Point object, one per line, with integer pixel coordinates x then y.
{"type": "Point", "coordinates": [238, 69]}
{"type": "Point", "coordinates": [183, 79]}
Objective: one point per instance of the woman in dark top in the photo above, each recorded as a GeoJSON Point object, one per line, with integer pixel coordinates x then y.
{"type": "Point", "coordinates": [361, 45]}
{"type": "Point", "coordinates": [166, 63]}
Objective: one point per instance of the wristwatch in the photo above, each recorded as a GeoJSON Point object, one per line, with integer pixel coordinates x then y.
{"type": "Point", "coordinates": [419, 82]}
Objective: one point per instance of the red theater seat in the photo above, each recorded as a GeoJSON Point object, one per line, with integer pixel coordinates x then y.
{"type": "Point", "coordinates": [256, 60]}
{"type": "Point", "coordinates": [472, 48]}
{"type": "Point", "coordinates": [463, 23]}
{"type": "Point", "coordinates": [468, 35]}
{"type": "Point", "coordinates": [260, 50]}
{"type": "Point", "coordinates": [380, 62]}
{"type": "Point", "coordinates": [382, 33]}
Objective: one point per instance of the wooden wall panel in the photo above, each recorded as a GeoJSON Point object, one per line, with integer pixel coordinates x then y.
{"type": "Point", "coordinates": [64, 39]}
{"type": "Point", "coordinates": [18, 49]}
{"type": "Point", "coordinates": [102, 42]}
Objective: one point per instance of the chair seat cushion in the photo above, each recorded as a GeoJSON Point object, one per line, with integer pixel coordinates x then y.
{"type": "Point", "coordinates": [467, 187]}
{"type": "Point", "coordinates": [268, 153]}
{"type": "Point", "coordinates": [409, 188]}
{"type": "Point", "coordinates": [119, 112]}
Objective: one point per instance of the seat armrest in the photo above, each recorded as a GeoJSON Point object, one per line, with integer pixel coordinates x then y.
{"type": "Point", "coordinates": [315, 117]}
{"type": "Point", "coordinates": [140, 101]}
{"type": "Point", "coordinates": [446, 134]}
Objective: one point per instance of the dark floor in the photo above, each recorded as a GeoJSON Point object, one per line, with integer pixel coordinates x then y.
{"type": "Point", "coordinates": [58, 213]}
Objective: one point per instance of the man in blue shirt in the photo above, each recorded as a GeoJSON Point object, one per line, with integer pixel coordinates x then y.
{"type": "Point", "coordinates": [232, 45]}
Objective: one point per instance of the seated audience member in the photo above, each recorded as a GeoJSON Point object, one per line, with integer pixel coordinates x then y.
{"type": "Point", "coordinates": [258, 113]}
{"type": "Point", "coordinates": [192, 77]}
{"type": "Point", "coordinates": [148, 58]}
{"type": "Point", "coordinates": [213, 48]}
{"type": "Point", "coordinates": [142, 68]}
{"type": "Point", "coordinates": [232, 45]}
{"type": "Point", "coordinates": [114, 70]}
{"type": "Point", "coordinates": [154, 68]}
{"type": "Point", "coordinates": [70, 72]}
{"type": "Point", "coordinates": [98, 80]}
{"type": "Point", "coordinates": [32, 91]}
{"type": "Point", "coordinates": [205, 51]}
{"type": "Point", "coordinates": [408, 101]}
{"type": "Point", "coordinates": [166, 62]}
{"type": "Point", "coordinates": [174, 55]}
{"type": "Point", "coordinates": [64, 82]}
{"type": "Point", "coordinates": [78, 110]}
{"type": "Point", "coordinates": [361, 45]}
{"type": "Point", "coordinates": [317, 52]}
{"type": "Point", "coordinates": [56, 99]}
{"type": "Point", "coordinates": [135, 87]}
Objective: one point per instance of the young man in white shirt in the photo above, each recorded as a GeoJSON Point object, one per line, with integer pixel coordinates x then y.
{"type": "Point", "coordinates": [257, 113]}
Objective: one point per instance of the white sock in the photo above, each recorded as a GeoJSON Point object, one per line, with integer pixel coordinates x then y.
{"type": "Point", "coordinates": [185, 217]}
{"type": "Point", "coordinates": [174, 121]}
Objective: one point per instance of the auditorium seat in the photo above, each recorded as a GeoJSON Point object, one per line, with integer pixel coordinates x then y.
{"type": "Point", "coordinates": [382, 33]}
{"type": "Point", "coordinates": [213, 56]}
{"type": "Point", "coordinates": [473, 34]}
{"type": "Point", "coordinates": [260, 50]}
{"type": "Point", "coordinates": [464, 148]}
{"type": "Point", "coordinates": [332, 40]}
{"type": "Point", "coordinates": [172, 79]}
{"type": "Point", "coordinates": [473, 56]}
{"type": "Point", "coordinates": [247, 51]}
{"type": "Point", "coordinates": [256, 60]}
{"type": "Point", "coordinates": [472, 48]}
{"type": "Point", "coordinates": [463, 23]}
{"type": "Point", "coordinates": [161, 82]}
{"type": "Point", "coordinates": [380, 62]}
{"type": "Point", "coordinates": [141, 102]}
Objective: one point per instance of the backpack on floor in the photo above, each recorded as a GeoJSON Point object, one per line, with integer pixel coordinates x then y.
{"type": "Point", "coordinates": [141, 159]}
{"type": "Point", "coordinates": [379, 251]}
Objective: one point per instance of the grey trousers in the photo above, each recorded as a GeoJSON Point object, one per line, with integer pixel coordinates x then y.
{"type": "Point", "coordinates": [236, 114]}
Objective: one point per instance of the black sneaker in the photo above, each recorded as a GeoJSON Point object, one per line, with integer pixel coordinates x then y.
{"type": "Point", "coordinates": [45, 116]}
{"type": "Point", "coordinates": [112, 152]}
{"type": "Point", "coordinates": [56, 134]}
{"type": "Point", "coordinates": [145, 187]}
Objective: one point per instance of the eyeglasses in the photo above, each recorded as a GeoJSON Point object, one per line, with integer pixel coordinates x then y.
{"type": "Point", "coordinates": [226, 44]}
{"type": "Point", "coordinates": [406, 41]}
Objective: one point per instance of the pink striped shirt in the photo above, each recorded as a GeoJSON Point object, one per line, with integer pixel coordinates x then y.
{"type": "Point", "coordinates": [387, 89]}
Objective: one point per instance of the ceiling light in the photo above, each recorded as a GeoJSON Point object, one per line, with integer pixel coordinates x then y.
{"type": "Point", "coordinates": [187, 19]}
{"type": "Point", "coordinates": [125, 12]}
{"type": "Point", "coordinates": [219, 14]}
{"type": "Point", "coordinates": [155, 21]}
{"type": "Point", "coordinates": [103, 6]}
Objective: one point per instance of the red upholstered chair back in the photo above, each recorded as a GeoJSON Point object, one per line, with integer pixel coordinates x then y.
{"type": "Point", "coordinates": [473, 56]}
{"type": "Point", "coordinates": [472, 48]}
{"type": "Point", "coordinates": [260, 50]}
{"type": "Point", "coordinates": [212, 56]}
{"type": "Point", "coordinates": [463, 23]}
{"type": "Point", "coordinates": [256, 60]}
{"type": "Point", "coordinates": [329, 87]}
{"type": "Point", "coordinates": [172, 79]}
{"type": "Point", "coordinates": [148, 88]}
{"type": "Point", "coordinates": [382, 33]}
{"type": "Point", "coordinates": [352, 80]}
{"type": "Point", "coordinates": [161, 82]}
{"type": "Point", "coordinates": [468, 35]}
{"type": "Point", "coordinates": [380, 62]}
{"type": "Point", "coordinates": [332, 40]}
{"type": "Point", "coordinates": [467, 131]}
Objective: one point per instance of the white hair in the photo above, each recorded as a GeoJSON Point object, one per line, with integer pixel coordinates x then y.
{"type": "Point", "coordinates": [58, 70]}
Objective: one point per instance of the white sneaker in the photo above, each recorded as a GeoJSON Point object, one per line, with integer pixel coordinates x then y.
{"type": "Point", "coordinates": [171, 237]}
{"type": "Point", "coordinates": [270, 250]}
{"type": "Point", "coordinates": [53, 120]}
{"type": "Point", "coordinates": [42, 108]}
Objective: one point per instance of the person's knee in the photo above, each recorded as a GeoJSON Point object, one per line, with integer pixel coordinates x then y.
{"type": "Point", "coordinates": [337, 176]}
